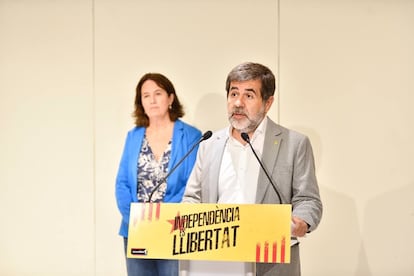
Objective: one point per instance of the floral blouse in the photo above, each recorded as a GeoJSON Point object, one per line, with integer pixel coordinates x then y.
{"type": "Point", "coordinates": [151, 172]}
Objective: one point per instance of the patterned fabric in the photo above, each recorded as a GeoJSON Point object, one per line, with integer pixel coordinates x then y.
{"type": "Point", "coordinates": [151, 172]}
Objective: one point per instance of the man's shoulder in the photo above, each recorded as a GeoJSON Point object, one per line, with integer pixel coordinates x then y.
{"type": "Point", "coordinates": [218, 138]}
{"type": "Point", "coordinates": [220, 134]}
{"type": "Point", "coordinates": [279, 130]}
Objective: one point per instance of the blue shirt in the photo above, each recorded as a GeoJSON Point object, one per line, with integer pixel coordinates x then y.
{"type": "Point", "coordinates": [183, 139]}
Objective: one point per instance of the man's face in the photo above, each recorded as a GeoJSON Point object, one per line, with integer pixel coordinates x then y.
{"type": "Point", "coordinates": [245, 106]}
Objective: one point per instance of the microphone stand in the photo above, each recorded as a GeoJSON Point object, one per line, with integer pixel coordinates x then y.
{"type": "Point", "coordinates": [246, 138]}
{"type": "Point", "coordinates": [205, 136]}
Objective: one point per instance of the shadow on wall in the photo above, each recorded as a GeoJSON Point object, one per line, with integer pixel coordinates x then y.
{"type": "Point", "coordinates": [211, 112]}
{"type": "Point", "coordinates": [335, 247]}
{"type": "Point", "coordinates": [388, 232]}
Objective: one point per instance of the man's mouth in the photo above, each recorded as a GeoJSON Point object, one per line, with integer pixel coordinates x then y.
{"type": "Point", "coordinates": [238, 115]}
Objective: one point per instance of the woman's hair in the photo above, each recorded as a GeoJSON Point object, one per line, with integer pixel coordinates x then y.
{"type": "Point", "coordinates": [175, 111]}
{"type": "Point", "coordinates": [253, 71]}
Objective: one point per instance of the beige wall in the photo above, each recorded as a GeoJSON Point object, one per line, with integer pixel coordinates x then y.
{"type": "Point", "coordinates": [346, 70]}
{"type": "Point", "coordinates": [68, 70]}
{"type": "Point", "coordinates": [47, 197]}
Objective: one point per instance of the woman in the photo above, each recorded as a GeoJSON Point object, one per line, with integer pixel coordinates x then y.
{"type": "Point", "coordinates": [159, 140]}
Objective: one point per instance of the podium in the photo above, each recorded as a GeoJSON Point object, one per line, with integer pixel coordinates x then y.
{"type": "Point", "coordinates": [221, 232]}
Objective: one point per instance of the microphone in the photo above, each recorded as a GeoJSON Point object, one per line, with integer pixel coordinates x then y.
{"type": "Point", "coordinates": [246, 138]}
{"type": "Point", "coordinates": [205, 136]}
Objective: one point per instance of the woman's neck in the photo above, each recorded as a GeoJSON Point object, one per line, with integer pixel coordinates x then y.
{"type": "Point", "coordinates": [157, 125]}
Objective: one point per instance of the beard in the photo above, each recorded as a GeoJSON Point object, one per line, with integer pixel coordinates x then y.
{"type": "Point", "coordinates": [249, 122]}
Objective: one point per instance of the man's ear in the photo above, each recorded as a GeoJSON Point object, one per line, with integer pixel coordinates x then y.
{"type": "Point", "coordinates": [268, 103]}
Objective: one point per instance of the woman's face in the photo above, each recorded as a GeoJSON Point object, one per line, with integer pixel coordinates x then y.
{"type": "Point", "coordinates": [155, 100]}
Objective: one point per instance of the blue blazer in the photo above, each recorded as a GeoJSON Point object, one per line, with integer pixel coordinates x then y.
{"type": "Point", "coordinates": [184, 137]}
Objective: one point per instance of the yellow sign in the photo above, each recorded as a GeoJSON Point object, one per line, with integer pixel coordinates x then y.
{"type": "Point", "coordinates": [226, 232]}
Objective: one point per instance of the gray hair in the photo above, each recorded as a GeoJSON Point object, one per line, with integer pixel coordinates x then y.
{"type": "Point", "coordinates": [253, 71]}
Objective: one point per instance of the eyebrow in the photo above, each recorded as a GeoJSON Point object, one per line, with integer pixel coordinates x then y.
{"type": "Point", "coordinates": [156, 90]}
{"type": "Point", "coordinates": [247, 90]}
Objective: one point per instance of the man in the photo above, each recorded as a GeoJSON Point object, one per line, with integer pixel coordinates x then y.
{"type": "Point", "coordinates": [226, 170]}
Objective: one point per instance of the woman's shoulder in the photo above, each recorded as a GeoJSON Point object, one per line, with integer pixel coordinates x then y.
{"type": "Point", "coordinates": [136, 131]}
{"type": "Point", "coordinates": [188, 128]}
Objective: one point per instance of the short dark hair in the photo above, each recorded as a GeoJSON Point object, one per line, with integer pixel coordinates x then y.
{"type": "Point", "coordinates": [253, 71]}
{"type": "Point", "coordinates": [176, 111]}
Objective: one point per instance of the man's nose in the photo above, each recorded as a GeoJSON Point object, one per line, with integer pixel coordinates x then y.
{"type": "Point", "coordinates": [238, 102]}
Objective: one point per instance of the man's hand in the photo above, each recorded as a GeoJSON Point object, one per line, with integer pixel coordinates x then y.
{"type": "Point", "coordinates": [299, 227]}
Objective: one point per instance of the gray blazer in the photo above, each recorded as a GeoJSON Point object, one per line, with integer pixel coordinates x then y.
{"type": "Point", "coordinates": [288, 158]}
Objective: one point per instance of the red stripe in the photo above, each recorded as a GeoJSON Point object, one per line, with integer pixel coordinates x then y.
{"type": "Point", "coordinates": [274, 255]}
{"type": "Point", "coordinates": [266, 252]}
{"type": "Point", "coordinates": [258, 252]}
{"type": "Point", "coordinates": [157, 213]}
{"type": "Point", "coordinates": [282, 249]}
